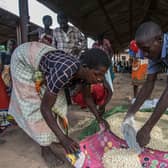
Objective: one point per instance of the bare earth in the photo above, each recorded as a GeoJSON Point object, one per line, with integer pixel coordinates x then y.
{"type": "Point", "coordinates": [20, 151]}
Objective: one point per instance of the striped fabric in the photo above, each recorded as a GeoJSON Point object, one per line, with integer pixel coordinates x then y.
{"type": "Point", "coordinates": [67, 41]}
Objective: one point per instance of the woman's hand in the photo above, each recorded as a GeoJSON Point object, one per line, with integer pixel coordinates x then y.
{"type": "Point", "coordinates": [104, 125]}
{"type": "Point", "coordinates": [69, 144]}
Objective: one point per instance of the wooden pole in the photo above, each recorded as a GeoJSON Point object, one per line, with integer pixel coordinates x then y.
{"type": "Point", "coordinates": [24, 19]}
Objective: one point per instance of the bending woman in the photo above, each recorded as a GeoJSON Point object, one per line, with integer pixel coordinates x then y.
{"type": "Point", "coordinates": [39, 74]}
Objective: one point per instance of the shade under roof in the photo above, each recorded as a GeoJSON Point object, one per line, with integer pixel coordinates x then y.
{"type": "Point", "coordinates": [118, 19]}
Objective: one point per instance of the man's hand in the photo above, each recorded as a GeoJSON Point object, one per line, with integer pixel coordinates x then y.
{"type": "Point", "coordinates": [69, 145]}
{"type": "Point", "coordinates": [143, 137]}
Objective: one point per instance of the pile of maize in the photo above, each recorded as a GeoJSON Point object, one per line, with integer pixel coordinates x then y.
{"type": "Point", "coordinates": [121, 158]}
{"type": "Point", "coordinates": [159, 133]}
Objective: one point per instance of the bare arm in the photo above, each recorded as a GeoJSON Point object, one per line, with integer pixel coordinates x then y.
{"type": "Point", "coordinates": [143, 135]}
{"type": "Point", "coordinates": [48, 101]}
{"type": "Point", "coordinates": [143, 94]}
{"type": "Point", "coordinates": [159, 110]}
{"type": "Point", "coordinates": [89, 101]}
{"type": "Point", "coordinates": [92, 106]}
{"type": "Point", "coordinates": [36, 31]}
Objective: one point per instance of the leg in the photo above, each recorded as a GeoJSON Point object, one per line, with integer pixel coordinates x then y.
{"type": "Point", "coordinates": [135, 88]}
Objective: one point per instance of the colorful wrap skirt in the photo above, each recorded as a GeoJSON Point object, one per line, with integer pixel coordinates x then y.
{"type": "Point", "coordinates": [4, 104]}
{"type": "Point", "coordinates": [25, 100]}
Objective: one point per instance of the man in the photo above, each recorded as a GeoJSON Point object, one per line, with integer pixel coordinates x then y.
{"type": "Point", "coordinates": [153, 44]}
{"type": "Point", "coordinates": [46, 31]}
{"type": "Point", "coordinates": [68, 38]}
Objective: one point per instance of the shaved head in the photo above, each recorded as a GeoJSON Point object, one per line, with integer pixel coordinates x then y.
{"type": "Point", "coordinates": [147, 31]}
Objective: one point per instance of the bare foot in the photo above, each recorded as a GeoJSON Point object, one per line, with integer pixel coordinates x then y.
{"type": "Point", "coordinates": [52, 160]}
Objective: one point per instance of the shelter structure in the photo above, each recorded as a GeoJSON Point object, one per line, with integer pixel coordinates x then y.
{"type": "Point", "coordinates": [118, 19]}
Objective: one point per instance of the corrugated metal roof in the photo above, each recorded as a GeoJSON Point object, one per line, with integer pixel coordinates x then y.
{"type": "Point", "coordinates": [118, 19]}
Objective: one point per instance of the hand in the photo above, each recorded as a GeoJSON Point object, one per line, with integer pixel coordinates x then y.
{"type": "Point", "coordinates": [70, 145]}
{"type": "Point", "coordinates": [104, 125]}
{"type": "Point", "coordinates": [143, 136]}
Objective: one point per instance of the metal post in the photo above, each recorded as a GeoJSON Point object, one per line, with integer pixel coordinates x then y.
{"type": "Point", "coordinates": [24, 19]}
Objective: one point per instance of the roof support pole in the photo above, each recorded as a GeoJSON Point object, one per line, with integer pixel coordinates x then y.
{"type": "Point", "coordinates": [24, 19]}
{"type": "Point", "coordinates": [131, 19]}
{"type": "Point", "coordinates": [108, 18]}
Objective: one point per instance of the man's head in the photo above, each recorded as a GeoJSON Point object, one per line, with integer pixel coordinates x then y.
{"type": "Point", "coordinates": [62, 20]}
{"type": "Point", "coordinates": [97, 63]}
{"type": "Point", "coordinates": [149, 38]}
{"type": "Point", "coordinates": [47, 20]}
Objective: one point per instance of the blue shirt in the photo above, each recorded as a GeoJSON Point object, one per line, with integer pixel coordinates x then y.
{"type": "Point", "coordinates": [155, 66]}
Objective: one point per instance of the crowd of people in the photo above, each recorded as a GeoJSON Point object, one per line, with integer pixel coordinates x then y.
{"type": "Point", "coordinates": [38, 80]}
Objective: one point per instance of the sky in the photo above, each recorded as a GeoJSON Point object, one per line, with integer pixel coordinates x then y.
{"type": "Point", "coordinates": [36, 12]}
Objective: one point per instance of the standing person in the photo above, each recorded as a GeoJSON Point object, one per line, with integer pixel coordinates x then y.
{"type": "Point", "coordinates": [4, 102]}
{"type": "Point", "coordinates": [139, 68]}
{"type": "Point", "coordinates": [39, 74]}
{"type": "Point", "coordinates": [153, 44]}
{"type": "Point", "coordinates": [105, 45]}
{"type": "Point", "coordinates": [68, 38]}
{"type": "Point", "coordinates": [46, 31]}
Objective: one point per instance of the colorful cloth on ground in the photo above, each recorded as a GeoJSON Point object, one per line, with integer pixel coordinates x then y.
{"type": "Point", "coordinates": [67, 41]}
{"type": "Point", "coordinates": [25, 101]}
{"type": "Point", "coordinates": [139, 71]}
{"type": "Point", "coordinates": [98, 92]}
{"type": "Point", "coordinates": [94, 147]}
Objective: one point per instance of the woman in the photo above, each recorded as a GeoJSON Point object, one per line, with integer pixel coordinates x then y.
{"type": "Point", "coordinates": [4, 103]}
{"type": "Point", "coordinates": [39, 74]}
{"type": "Point", "coordinates": [105, 45]}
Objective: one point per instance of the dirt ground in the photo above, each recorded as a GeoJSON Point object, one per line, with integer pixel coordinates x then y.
{"type": "Point", "coordinates": [20, 151]}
